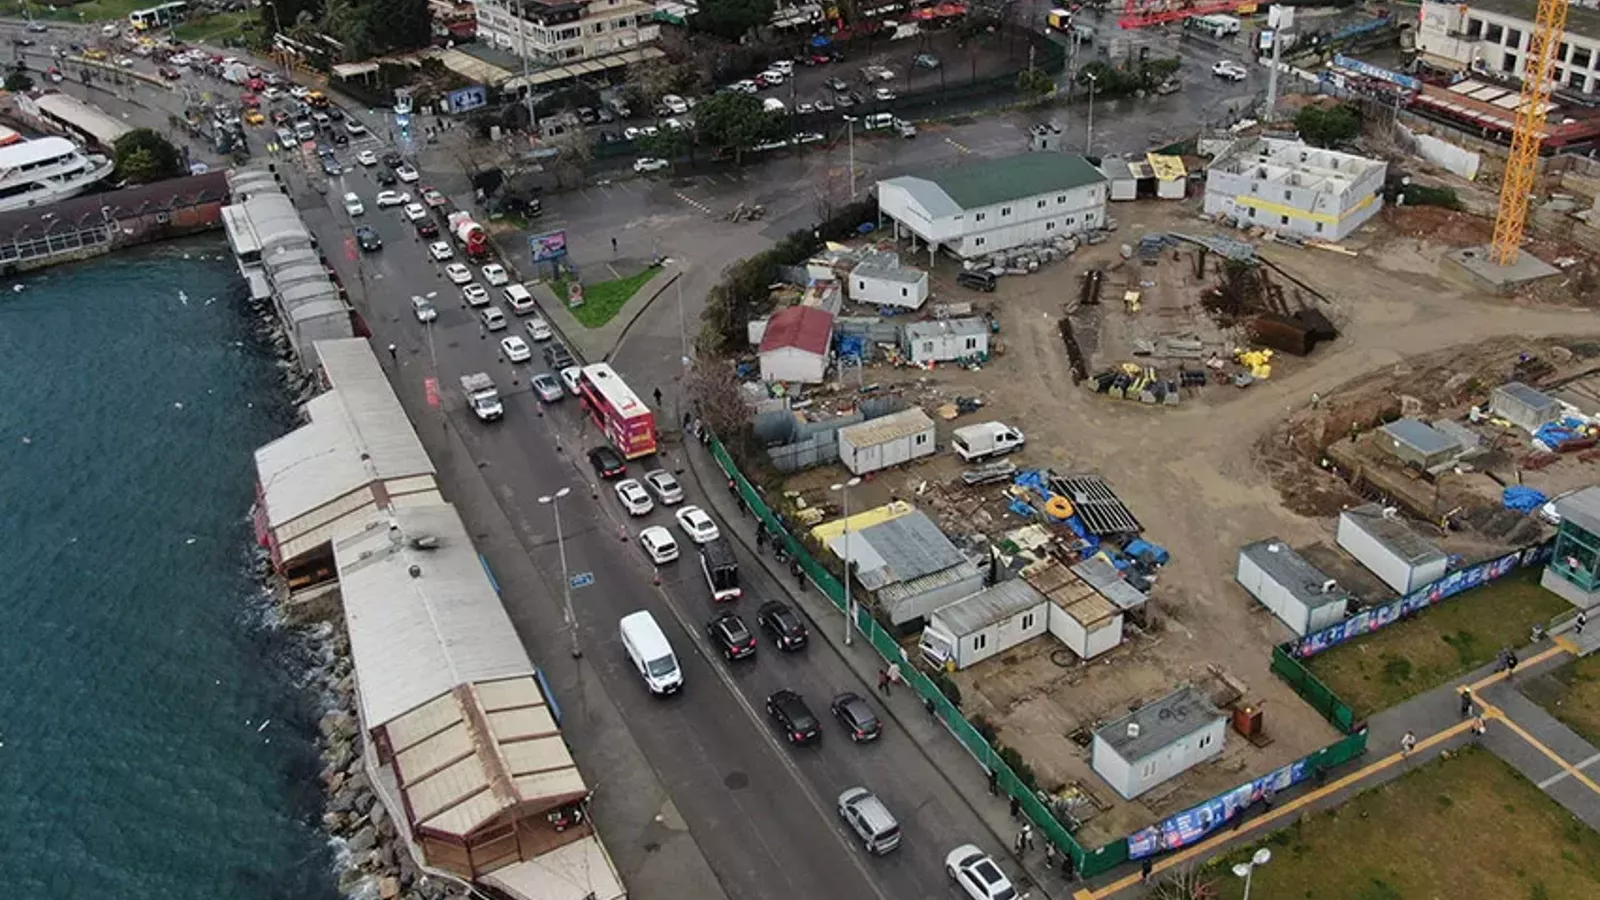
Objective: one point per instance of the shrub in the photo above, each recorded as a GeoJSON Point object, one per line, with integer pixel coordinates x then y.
{"type": "Point", "coordinates": [948, 688]}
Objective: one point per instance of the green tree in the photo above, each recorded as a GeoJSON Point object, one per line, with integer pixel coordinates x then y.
{"type": "Point", "coordinates": [734, 121]}
{"type": "Point", "coordinates": [668, 144]}
{"type": "Point", "coordinates": [1326, 126]}
{"type": "Point", "coordinates": [732, 19]}
{"type": "Point", "coordinates": [286, 13]}
{"type": "Point", "coordinates": [399, 24]}
{"type": "Point", "coordinates": [1035, 83]}
{"type": "Point", "coordinates": [144, 156]}
{"type": "Point", "coordinates": [18, 81]}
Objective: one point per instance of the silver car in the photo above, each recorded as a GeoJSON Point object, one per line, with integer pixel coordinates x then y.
{"type": "Point", "coordinates": [547, 387]}
{"type": "Point", "coordinates": [666, 487]}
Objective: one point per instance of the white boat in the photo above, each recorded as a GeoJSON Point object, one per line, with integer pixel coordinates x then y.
{"type": "Point", "coordinates": [43, 171]}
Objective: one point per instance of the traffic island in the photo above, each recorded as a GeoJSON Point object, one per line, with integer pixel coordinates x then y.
{"type": "Point", "coordinates": [602, 301]}
{"type": "Point", "coordinates": [594, 327]}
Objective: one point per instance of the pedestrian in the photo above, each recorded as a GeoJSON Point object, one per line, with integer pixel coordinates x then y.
{"type": "Point", "coordinates": [883, 688]}
{"type": "Point", "coordinates": [1316, 399]}
{"type": "Point", "coordinates": [1579, 622]}
{"type": "Point", "coordinates": [1408, 742]}
{"type": "Point", "coordinates": [1016, 807]}
{"type": "Point", "coordinates": [1267, 795]}
{"type": "Point", "coordinates": [894, 673]}
{"type": "Point", "coordinates": [392, 352]}
{"type": "Point", "coordinates": [1511, 664]}
{"type": "Point", "coordinates": [658, 396]}
{"type": "Point", "coordinates": [994, 781]}
{"type": "Point", "coordinates": [1479, 726]}
{"type": "Point", "coordinates": [1068, 871]}
{"type": "Point", "coordinates": [1466, 702]}
{"type": "Point", "coordinates": [1027, 836]}
{"type": "Point", "coordinates": [1016, 844]}
{"type": "Point", "coordinates": [687, 419]}
{"type": "Point", "coordinates": [798, 573]}
{"type": "Point", "coordinates": [1145, 869]}
{"type": "Point", "coordinates": [1049, 855]}
{"type": "Point", "coordinates": [613, 250]}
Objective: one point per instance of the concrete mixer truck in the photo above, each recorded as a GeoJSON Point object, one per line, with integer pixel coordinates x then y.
{"type": "Point", "coordinates": [473, 239]}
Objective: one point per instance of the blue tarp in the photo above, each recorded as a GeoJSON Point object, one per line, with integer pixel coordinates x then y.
{"type": "Point", "coordinates": [1143, 550]}
{"type": "Point", "coordinates": [1524, 499]}
{"type": "Point", "coordinates": [1554, 434]}
{"type": "Point", "coordinates": [852, 346]}
{"type": "Point", "coordinates": [1023, 509]}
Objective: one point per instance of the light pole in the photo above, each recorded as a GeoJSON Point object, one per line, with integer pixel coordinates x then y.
{"type": "Point", "coordinates": [850, 138]}
{"type": "Point", "coordinates": [849, 598]}
{"type": "Point", "coordinates": [1088, 138]}
{"type": "Point", "coordinates": [1246, 869]}
{"type": "Point", "coordinates": [566, 580]}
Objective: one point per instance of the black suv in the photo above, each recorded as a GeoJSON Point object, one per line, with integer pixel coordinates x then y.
{"type": "Point", "coordinates": [558, 357]}
{"type": "Point", "coordinates": [729, 633]}
{"type": "Point", "coordinates": [385, 177]}
{"type": "Point", "coordinates": [787, 631]}
{"type": "Point", "coordinates": [789, 710]}
{"type": "Point", "coordinates": [856, 716]}
{"type": "Point", "coordinates": [368, 238]}
{"type": "Point", "coordinates": [607, 463]}
{"type": "Point", "coordinates": [393, 160]}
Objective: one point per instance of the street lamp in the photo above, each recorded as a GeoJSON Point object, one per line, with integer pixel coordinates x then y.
{"type": "Point", "coordinates": [566, 580]}
{"type": "Point", "coordinates": [1088, 138]}
{"type": "Point", "coordinates": [849, 599]}
{"type": "Point", "coordinates": [850, 132]}
{"type": "Point", "coordinates": [1246, 869]}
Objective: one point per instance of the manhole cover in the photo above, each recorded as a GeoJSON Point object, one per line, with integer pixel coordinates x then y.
{"type": "Point", "coordinates": [736, 781]}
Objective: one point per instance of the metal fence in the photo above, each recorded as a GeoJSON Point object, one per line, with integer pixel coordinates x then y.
{"type": "Point", "coordinates": [23, 249]}
{"type": "Point", "coordinates": [1312, 690]}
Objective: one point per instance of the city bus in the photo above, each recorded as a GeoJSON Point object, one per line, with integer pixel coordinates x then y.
{"type": "Point", "coordinates": [617, 411]}
{"type": "Point", "coordinates": [159, 16]}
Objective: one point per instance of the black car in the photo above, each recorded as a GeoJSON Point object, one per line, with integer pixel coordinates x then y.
{"type": "Point", "coordinates": [367, 237]}
{"type": "Point", "coordinates": [856, 715]}
{"type": "Point", "coordinates": [385, 177]}
{"type": "Point", "coordinates": [789, 710]}
{"type": "Point", "coordinates": [783, 623]}
{"type": "Point", "coordinates": [607, 462]}
{"type": "Point", "coordinates": [729, 633]}
{"type": "Point", "coordinates": [557, 356]}
{"type": "Point", "coordinates": [335, 113]}
{"type": "Point", "coordinates": [426, 228]}
{"type": "Point", "coordinates": [340, 138]}
{"type": "Point", "coordinates": [393, 160]}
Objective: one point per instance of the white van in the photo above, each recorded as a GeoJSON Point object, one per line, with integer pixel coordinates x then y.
{"type": "Point", "coordinates": [518, 298]}
{"type": "Point", "coordinates": [975, 442]}
{"type": "Point", "coordinates": [773, 105]}
{"type": "Point", "coordinates": [647, 648]}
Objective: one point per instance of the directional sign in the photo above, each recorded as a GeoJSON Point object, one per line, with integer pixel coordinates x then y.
{"type": "Point", "coordinates": [582, 579]}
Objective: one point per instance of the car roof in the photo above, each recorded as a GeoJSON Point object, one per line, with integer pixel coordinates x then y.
{"type": "Point", "coordinates": [657, 532]}
{"type": "Point", "coordinates": [773, 606]}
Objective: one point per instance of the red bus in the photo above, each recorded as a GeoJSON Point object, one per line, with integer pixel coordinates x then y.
{"type": "Point", "coordinates": [617, 411]}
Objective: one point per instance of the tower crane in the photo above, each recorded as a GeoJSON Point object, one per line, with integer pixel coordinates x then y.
{"type": "Point", "coordinates": [1528, 135]}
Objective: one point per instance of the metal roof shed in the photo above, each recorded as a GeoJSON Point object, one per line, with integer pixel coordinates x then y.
{"type": "Point", "coordinates": [1297, 592]}
{"type": "Point", "coordinates": [1418, 443]}
{"type": "Point", "coordinates": [886, 441]}
{"type": "Point", "coordinates": [1086, 622]}
{"type": "Point", "coordinates": [945, 341]}
{"type": "Point", "coordinates": [985, 624]}
{"type": "Point", "coordinates": [883, 285]}
{"type": "Point", "coordinates": [1523, 406]}
{"type": "Point", "coordinates": [1158, 742]}
{"type": "Point", "coordinates": [1385, 544]}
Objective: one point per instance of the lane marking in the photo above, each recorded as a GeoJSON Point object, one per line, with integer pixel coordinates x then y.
{"type": "Point", "coordinates": [1567, 768]}
{"type": "Point", "coordinates": [959, 146]}
{"type": "Point", "coordinates": [1557, 777]}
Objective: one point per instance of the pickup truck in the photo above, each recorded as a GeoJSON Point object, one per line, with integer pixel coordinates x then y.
{"type": "Point", "coordinates": [482, 396]}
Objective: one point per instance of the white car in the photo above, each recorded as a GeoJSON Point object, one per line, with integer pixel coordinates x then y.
{"type": "Point", "coordinates": [458, 273]}
{"type": "Point", "coordinates": [516, 349]}
{"type": "Point", "coordinates": [649, 164]}
{"type": "Point", "coordinates": [539, 329]}
{"type": "Point", "coordinates": [352, 204]}
{"type": "Point", "coordinates": [675, 104]}
{"type": "Point", "coordinates": [667, 488]}
{"type": "Point", "coordinates": [495, 274]}
{"type": "Point", "coordinates": [676, 124]}
{"type": "Point", "coordinates": [387, 199]}
{"type": "Point", "coordinates": [658, 544]}
{"type": "Point", "coordinates": [125, 61]}
{"type": "Point", "coordinates": [786, 66]}
{"type": "Point", "coordinates": [367, 158]}
{"type": "Point", "coordinates": [475, 295]}
{"type": "Point", "coordinates": [416, 212]}
{"type": "Point", "coordinates": [978, 875]}
{"type": "Point", "coordinates": [440, 250]}
{"type": "Point", "coordinates": [697, 525]}
{"type": "Point", "coordinates": [423, 309]}
{"type": "Point", "coordinates": [745, 87]}
{"type": "Point", "coordinates": [1230, 70]}
{"type": "Point", "coordinates": [1548, 512]}
{"type": "Point", "coordinates": [407, 174]}
{"type": "Point", "coordinates": [773, 76]}
{"type": "Point", "coordinates": [299, 92]}
{"type": "Point", "coordinates": [569, 377]}
{"type": "Point", "coordinates": [635, 499]}
{"type": "Point", "coordinates": [883, 94]}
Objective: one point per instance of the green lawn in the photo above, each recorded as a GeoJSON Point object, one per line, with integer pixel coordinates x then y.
{"type": "Point", "coordinates": [93, 11]}
{"type": "Point", "coordinates": [1376, 672]}
{"type": "Point", "coordinates": [1571, 693]}
{"type": "Point", "coordinates": [214, 29]}
{"type": "Point", "coordinates": [1464, 828]}
{"type": "Point", "coordinates": [603, 300]}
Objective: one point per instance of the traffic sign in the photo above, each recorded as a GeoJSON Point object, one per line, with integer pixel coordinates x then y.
{"type": "Point", "coordinates": [582, 580]}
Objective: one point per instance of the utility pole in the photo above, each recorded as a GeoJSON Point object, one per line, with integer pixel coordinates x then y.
{"type": "Point", "coordinates": [1281, 19]}
{"type": "Point", "coordinates": [1088, 137]}
{"type": "Point", "coordinates": [850, 131]}
{"type": "Point", "coordinates": [554, 500]}
{"type": "Point", "coordinates": [527, 74]}
{"type": "Point", "coordinates": [849, 598]}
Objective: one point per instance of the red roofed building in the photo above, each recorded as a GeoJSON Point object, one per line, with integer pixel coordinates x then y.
{"type": "Point", "coordinates": [795, 345]}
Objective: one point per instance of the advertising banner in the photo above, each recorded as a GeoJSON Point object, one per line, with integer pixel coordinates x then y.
{"type": "Point", "coordinates": [548, 247]}
{"type": "Point", "coordinates": [468, 99]}
{"type": "Point", "coordinates": [1191, 825]}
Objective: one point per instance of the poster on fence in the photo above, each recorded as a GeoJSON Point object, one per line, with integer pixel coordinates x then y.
{"type": "Point", "coordinates": [1191, 825]}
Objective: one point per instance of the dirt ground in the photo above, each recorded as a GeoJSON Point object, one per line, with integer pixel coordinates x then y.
{"type": "Point", "coordinates": [1195, 474]}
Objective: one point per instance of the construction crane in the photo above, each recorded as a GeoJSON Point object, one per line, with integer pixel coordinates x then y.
{"type": "Point", "coordinates": [1144, 13]}
{"type": "Point", "coordinates": [1532, 110]}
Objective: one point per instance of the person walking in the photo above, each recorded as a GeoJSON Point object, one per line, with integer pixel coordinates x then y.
{"type": "Point", "coordinates": [1049, 855]}
{"type": "Point", "coordinates": [894, 673]}
{"type": "Point", "coordinates": [1268, 794]}
{"type": "Point", "coordinates": [1511, 664]}
{"type": "Point", "coordinates": [1016, 807]}
{"type": "Point", "coordinates": [1579, 622]}
{"type": "Point", "coordinates": [1027, 836]}
{"type": "Point", "coordinates": [1466, 702]}
{"type": "Point", "coordinates": [1068, 870]}
{"type": "Point", "coordinates": [1145, 869]}
{"type": "Point", "coordinates": [1480, 727]}
{"type": "Point", "coordinates": [883, 688]}
{"type": "Point", "coordinates": [613, 250]}
{"type": "Point", "coordinates": [1408, 742]}
{"type": "Point", "coordinates": [393, 352]}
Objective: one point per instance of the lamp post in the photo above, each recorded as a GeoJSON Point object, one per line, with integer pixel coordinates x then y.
{"type": "Point", "coordinates": [849, 598]}
{"type": "Point", "coordinates": [566, 580]}
{"type": "Point", "coordinates": [1246, 869]}
{"type": "Point", "coordinates": [850, 138]}
{"type": "Point", "coordinates": [1088, 137]}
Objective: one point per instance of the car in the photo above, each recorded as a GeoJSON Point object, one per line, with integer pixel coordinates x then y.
{"type": "Point", "coordinates": [169, 73]}
{"type": "Point", "coordinates": [254, 117]}
{"type": "Point", "coordinates": [331, 166]}
{"type": "Point", "coordinates": [925, 61]}
{"type": "Point", "coordinates": [403, 172]}
{"type": "Point", "coordinates": [538, 329]}
{"type": "Point", "coordinates": [459, 274]}
{"type": "Point", "coordinates": [635, 499]}
{"type": "Point", "coordinates": [492, 318]}
{"type": "Point", "coordinates": [570, 376]}
{"type": "Point", "coordinates": [38, 27]}
{"type": "Point", "coordinates": [608, 463]}
{"type": "Point", "coordinates": [423, 309]}
{"type": "Point", "coordinates": [823, 105]}
{"type": "Point", "coordinates": [1230, 70]}
{"type": "Point", "coordinates": [818, 59]}
{"type": "Point", "coordinates": [658, 544]}
{"type": "Point", "coordinates": [392, 159]}
{"type": "Point", "coordinates": [677, 124]}
{"type": "Point", "coordinates": [385, 177]}
{"type": "Point", "coordinates": [340, 139]}
{"type": "Point", "coordinates": [977, 874]}
{"type": "Point", "coordinates": [771, 78]}
{"type": "Point", "coordinates": [387, 199]}
{"type": "Point", "coordinates": [433, 198]}
{"type": "Point", "coordinates": [495, 274]}
{"type": "Point", "coordinates": [352, 204]}
{"type": "Point", "coordinates": [837, 84]}
{"type": "Point", "coordinates": [697, 524]}
{"type": "Point", "coordinates": [367, 158]}
{"type": "Point", "coordinates": [870, 820]}
{"type": "Point", "coordinates": [857, 717]}
{"type": "Point", "coordinates": [844, 101]}
{"type": "Point", "coordinates": [352, 125]}
{"type": "Point", "coordinates": [368, 239]}
{"type": "Point", "coordinates": [427, 228]}
{"type": "Point", "coordinates": [776, 618]}
{"type": "Point", "coordinates": [286, 137]}
{"type": "Point", "coordinates": [558, 356]}
{"type": "Point", "coordinates": [649, 164]}
{"type": "Point", "coordinates": [666, 487]}
{"type": "Point", "coordinates": [440, 251]}
{"type": "Point", "coordinates": [806, 109]}
{"type": "Point", "coordinates": [789, 710]}
{"type": "Point", "coordinates": [883, 94]}
{"type": "Point", "coordinates": [299, 92]}
{"type": "Point", "coordinates": [95, 54]}
{"type": "Point", "coordinates": [415, 211]}
{"type": "Point", "coordinates": [515, 348]}
{"type": "Point", "coordinates": [731, 636]}
{"type": "Point", "coordinates": [674, 104]}
{"type": "Point", "coordinates": [547, 387]}
{"type": "Point", "coordinates": [786, 66]}
{"type": "Point", "coordinates": [807, 137]}
{"type": "Point", "coordinates": [745, 86]}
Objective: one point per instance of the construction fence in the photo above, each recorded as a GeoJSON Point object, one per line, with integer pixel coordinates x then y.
{"type": "Point", "coordinates": [1312, 690]}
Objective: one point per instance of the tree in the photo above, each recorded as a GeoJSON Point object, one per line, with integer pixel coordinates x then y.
{"type": "Point", "coordinates": [647, 84]}
{"type": "Point", "coordinates": [573, 153]}
{"type": "Point", "coordinates": [1326, 126]}
{"type": "Point", "coordinates": [732, 19]}
{"type": "Point", "coordinates": [287, 13]}
{"type": "Point", "coordinates": [1183, 883]}
{"type": "Point", "coordinates": [718, 397]}
{"type": "Point", "coordinates": [734, 121]}
{"type": "Point", "coordinates": [1035, 83]}
{"type": "Point", "coordinates": [18, 81]}
{"type": "Point", "coordinates": [400, 24]}
{"type": "Point", "coordinates": [144, 156]}
{"type": "Point", "coordinates": [668, 144]}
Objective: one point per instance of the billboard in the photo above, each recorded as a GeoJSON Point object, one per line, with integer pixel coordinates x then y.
{"type": "Point", "coordinates": [1191, 825]}
{"type": "Point", "coordinates": [468, 99]}
{"type": "Point", "coordinates": [549, 246]}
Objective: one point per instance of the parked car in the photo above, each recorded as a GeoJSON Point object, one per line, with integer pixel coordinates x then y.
{"type": "Point", "coordinates": [731, 636]}
{"type": "Point", "coordinates": [697, 525]}
{"type": "Point", "coordinates": [883, 95]}
{"type": "Point", "coordinates": [387, 199]}
{"type": "Point", "coordinates": [635, 499]}
{"type": "Point", "coordinates": [558, 356]}
{"type": "Point", "coordinates": [870, 819]}
{"type": "Point", "coordinates": [515, 348]}
{"type": "Point", "coordinates": [367, 158]}
{"type": "Point", "coordinates": [385, 178]}
{"type": "Point", "coordinates": [649, 164]}
{"type": "Point", "coordinates": [925, 61]}
{"type": "Point", "coordinates": [666, 487]}
{"type": "Point", "coordinates": [977, 875]}
{"type": "Point", "coordinates": [416, 211]}
{"type": "Point", "coordinates": [433, 198]}
{"type": "Point", "coordinates": [658, 544]}
{"type": "Point", "coordinates": [403, 172]}
{"type": "Point", "coordinates": [776, 618]}
{"type": "Point", "coordinates": [423, 309]}
{"type": "Point", "coordinates": [857, 717]}
{"type": "Point", "coordinates": [427, 228]}
{"type": "Point", "coordinates": [789, 710]}
{"type": "Point", "coordinates": [608, 463]}
{"type": "Point", "coordinates": [547, 387]}
{"type": "Point", "coordinates": [1230, 70]}
{"type": "Point", "coordinates": [569, 378]}
{"type": "Point", "coordinates": [837, 84]}
{"type": "Point", "coordinates": [476, 295]}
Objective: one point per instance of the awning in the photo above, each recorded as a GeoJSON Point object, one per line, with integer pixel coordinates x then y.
{"type": "Point", "coordinates": [352, 70]}
{"type": "Point", "coordinates": [581, 870]}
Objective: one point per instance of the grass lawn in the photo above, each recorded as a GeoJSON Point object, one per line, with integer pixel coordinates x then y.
{"type": "Point", "coordinates": [1377, 671]}
{"type": "Point", "coordinates": [1571, 693]}
{"type": "Point", "coordinates": [93, 11]}
{"type": "Point", "coordinates": [1465, 828]}
{"type": "Point", "coordinates": [603, 300]}
{"type": "Point", "coordinates": [213, 29]}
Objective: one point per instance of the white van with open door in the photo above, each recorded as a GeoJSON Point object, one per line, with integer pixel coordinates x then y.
{"type": "Point", "coordinates": [647, 648]}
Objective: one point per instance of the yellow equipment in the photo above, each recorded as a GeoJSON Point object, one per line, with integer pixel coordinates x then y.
{"type": "Point", "coordinates": [1532, 110]}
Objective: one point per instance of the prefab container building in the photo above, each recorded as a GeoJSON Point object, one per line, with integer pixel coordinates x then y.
{"type": "Point", "coordinates": [885, 285]}
{"type": "Point", "coordinates": [1086, 622]}
{"type": "Point", "coordinates": [1124, 185]}
{"type": "Point", "coordinates": [886, 441]}
{"type": "Point", "coordinates": [1158, 742]}
{"type": "Point", "coordinates": [1384, 543]}
{"type": "Point", "coordinates": [1523, 406]}
{"type": "Point", "coordinates": [1297, 592]}
{"type": "Point", "coordinates": [1416, 442]}
{"type": "Point", "coordinates": [989, 622]}
{"type": "Point", "coordinates": [945, 341]}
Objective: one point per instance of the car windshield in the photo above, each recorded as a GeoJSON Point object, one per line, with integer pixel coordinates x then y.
{"type": "Point", "coordinates": [662, 666]}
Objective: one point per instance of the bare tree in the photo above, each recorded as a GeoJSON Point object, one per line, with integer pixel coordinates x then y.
{"type": "Point", "coordinates": [1183, 883]}
{"type": "Point", "coordinates": [718, 396]}
{"type": "Point", "coordinates": [573, 155]}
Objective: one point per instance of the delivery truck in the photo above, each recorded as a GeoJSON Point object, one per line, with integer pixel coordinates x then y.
{"type": "Point", "coordinates": [482, 396]}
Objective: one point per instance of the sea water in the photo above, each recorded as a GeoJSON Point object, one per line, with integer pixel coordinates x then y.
{"type": "Point", "coordinates": [155, 741]}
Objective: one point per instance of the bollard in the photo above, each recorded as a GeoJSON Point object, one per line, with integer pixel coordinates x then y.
{"type": "Point", "coordinates": [656, 578]}
{"type": "Point", "coordinates": [622, 533]}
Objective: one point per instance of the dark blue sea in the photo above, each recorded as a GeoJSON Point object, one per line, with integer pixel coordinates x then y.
{"type": "Point", "coordinates": [155, 743]}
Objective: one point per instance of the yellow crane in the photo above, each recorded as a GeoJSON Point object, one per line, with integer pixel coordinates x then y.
{"type": "Point", "coordinates": [1523, 164]}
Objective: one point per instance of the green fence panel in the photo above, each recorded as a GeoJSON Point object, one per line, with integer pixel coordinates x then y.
{"type": "Point", "coordinates": [1311, 689]}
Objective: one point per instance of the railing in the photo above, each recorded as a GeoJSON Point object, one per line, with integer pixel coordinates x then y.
{"type": "Point", "coordinates": [52, 244]}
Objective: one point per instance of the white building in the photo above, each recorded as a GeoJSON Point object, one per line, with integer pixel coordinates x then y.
{"type": "Point", "coordinates": [558, 32]}
{"type": "Point", "coordinates": [1158, 742]}
{"type": "Point", "coordinates": [945, 340]}
{"type": "Point", "coordinates": [795, 345]}
{"type": "Point", "coordinates": [1298, 593]}
{"type": "Point", "coordinates": [884, 285]}
{"type": "Point", "coordinates": [1380, 540]}
{"type": "Point", "coordinates": [886, 441]}
{"type": "Point", "coordinates": [988, 623]}
{"type": "Point", "coordinates": [1292, 187]}
{"type": "Point", "coordinates": [1494, 35]}
{"type": "Point", "coordinates": [994, 205]}
{"type": "Point", "coordinates": [1080, 617]}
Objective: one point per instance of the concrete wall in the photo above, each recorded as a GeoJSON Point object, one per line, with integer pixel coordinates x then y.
{"type": "Point", "coordinates": [1455, 159]}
